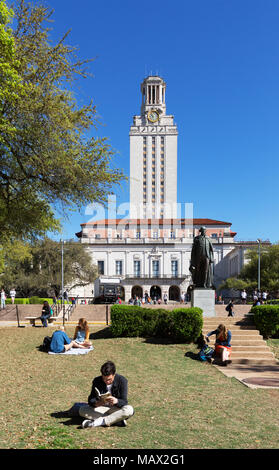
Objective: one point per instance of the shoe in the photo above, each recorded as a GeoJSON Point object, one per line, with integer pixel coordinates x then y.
{"type": "Point", "coordinates": [122, 423]}
{"type": "Point", "coordinates": [210, 360]}
{"type": "Point", "coordinates": [87, 423]}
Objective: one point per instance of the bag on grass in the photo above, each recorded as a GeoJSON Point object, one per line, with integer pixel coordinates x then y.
{"type": "Point", "coordinates": [46, 344]}
{"type": "Point", "coordinates": [206, 353]}
{"type": "Point", "coordinates": [74, 410]}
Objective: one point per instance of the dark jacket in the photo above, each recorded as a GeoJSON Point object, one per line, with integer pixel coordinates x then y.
{"type": "Point", "coordinates": [46, 310]}
{"type": "Point", "coordinates": [119, 390]}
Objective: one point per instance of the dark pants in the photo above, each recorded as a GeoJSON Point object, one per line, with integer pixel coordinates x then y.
{"type": "Point", "coordinates": [44, 319]}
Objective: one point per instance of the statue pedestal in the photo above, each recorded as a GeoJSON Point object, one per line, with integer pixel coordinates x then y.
{"type": "Point", "coordinates": [204, 299]}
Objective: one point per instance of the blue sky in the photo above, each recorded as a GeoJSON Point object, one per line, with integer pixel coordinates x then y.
{"type": "Point", "coordinates": [220, 60]}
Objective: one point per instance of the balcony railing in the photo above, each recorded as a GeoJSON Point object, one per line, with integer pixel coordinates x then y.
{"type": "Point", "coordinates": [156, 276]}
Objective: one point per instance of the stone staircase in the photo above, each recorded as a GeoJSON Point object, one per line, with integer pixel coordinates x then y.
{"type": "Point", "coordinates": [248, 346]}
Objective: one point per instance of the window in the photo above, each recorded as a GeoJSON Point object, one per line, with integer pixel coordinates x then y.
{"type": "Point", "coordinates": [101, 267]}
{"type": "Point", "coordinates": [155, 235]}
{"type": "Point", "coordinates": [172, 234]}
{"type": "Point", "coordinates": [118, 267]}
{"type": "Point", "coordinates": [97, 236]}
{"type": "Point", "coordinates": [155, 267]}
{"type": "Point", "coordinates": [136, 268]}
{"type": "Point", "coordinates": [174, 268]}
{"type": "Point", "coordinates": [138, 235]}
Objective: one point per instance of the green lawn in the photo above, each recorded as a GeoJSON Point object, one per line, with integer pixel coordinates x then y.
{"type": "Point", "coordinates": [179, 402]}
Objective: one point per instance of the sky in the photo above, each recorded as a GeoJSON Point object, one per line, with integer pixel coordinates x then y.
{"type": "Point", "coordinates": [220, 61]}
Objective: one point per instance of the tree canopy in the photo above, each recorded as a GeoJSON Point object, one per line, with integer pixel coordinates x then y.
{"type": "Point", "coordinates": [35, 269]}
{"type": "Point", "coordinates": [269, 271]}
{"type": "Point", "coordinates": [48, 156]}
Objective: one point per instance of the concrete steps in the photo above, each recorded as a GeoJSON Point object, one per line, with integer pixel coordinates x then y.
{"type": "Point", "coordinates": [248, 346]}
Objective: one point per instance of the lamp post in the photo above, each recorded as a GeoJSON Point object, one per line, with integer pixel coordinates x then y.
{"type": "Point", "coordinates": [259, 264]}
{"type": "Point", "coordinates": [62, 279]}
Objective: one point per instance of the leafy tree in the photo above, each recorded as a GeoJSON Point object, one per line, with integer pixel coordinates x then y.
{"type": "Point", "coordinates": [12, 254]}
{"type": "Point", "coordinates": [49, 159]}
{"type": "Point", "coordinates": [40, 272]}
{"type": "Point", "coordinates": [269, 271]}
{"type": "Point", "coordinates": [11, 84]}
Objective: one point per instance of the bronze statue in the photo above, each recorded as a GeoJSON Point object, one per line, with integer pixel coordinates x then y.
{"type": "Point", "coordinates": [201, 266]}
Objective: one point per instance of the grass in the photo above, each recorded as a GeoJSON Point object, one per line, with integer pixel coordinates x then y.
{"type": "Point", "coordinates": [179, 402]}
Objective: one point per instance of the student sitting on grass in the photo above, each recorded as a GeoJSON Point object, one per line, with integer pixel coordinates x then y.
{"type": "Point", "coordinates": [60, 342]}
{"type": "Point", "coordinates": [81, 335]}
{"type": "Point", "coordinates": [107, 410]}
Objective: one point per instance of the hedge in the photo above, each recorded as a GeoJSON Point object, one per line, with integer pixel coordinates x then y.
{"type": "Point", "coordinates": [266, 318]}
{"type": "Point", "coordinates": [18, 301]}
{"type": "Point", "coordinates": [34, 300]}
{"type": "Point", "coordinates": [183, 324]}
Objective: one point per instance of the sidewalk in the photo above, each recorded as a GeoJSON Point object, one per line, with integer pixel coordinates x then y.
{"type": "Point", "coordinates": [253, 375]}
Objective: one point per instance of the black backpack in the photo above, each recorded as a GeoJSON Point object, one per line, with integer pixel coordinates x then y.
{"type": "Point", "coordinates": [46, 344]}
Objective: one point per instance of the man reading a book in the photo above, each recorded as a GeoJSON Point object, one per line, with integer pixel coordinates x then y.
{"type": "Point", "coordinates": [107, 402]}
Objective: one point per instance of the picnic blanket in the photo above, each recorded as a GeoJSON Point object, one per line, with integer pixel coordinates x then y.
{"type": "Point", "coordinates": [74, 351]}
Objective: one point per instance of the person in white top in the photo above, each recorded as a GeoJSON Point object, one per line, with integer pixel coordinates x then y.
{"type": "Point", "coordinates": [3, 299]}
{"type": "Point", "coordinates": [244, 296]}
{"type": "Point", "coordinates": [264, 296]}
{"type": "Point", "coordinates": [13, 294]}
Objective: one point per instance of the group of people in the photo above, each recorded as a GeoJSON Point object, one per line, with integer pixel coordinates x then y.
{"type": "Point", "coordinates": [60, 341]}
{"type": "Point", "coordinates": [4, 297]}
{"type": "Point", "coordinates": [146, 299]}
{"type": "Point", "coordinates": [259, 297]}
{"type": "Point", "coordinates": [108, 401]}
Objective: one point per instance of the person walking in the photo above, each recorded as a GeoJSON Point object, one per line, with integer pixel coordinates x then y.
{"type": "Point", "coordinates": [13, 294]}
{"type": "Point", "coordinates": [229, 308]}
{"type": "Point", "coordinates": [3, 299]}
{"type": "Point", "coordinates": [244, 296]}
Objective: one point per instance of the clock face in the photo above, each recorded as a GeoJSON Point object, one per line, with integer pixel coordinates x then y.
{"type": "Point", "coordinates": [153, 116]}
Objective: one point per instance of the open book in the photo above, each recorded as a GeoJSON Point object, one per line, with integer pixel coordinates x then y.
{"type": "Point", "coordinates": [103, 396]}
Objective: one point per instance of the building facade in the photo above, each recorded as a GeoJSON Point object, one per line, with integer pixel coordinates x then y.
{"type": "Point", "coordinates": [149, 253]}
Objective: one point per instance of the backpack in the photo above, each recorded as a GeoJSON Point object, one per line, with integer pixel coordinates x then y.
{"type": "Point", "coordinates": [206, 353]}
{"type": "Point", "coordinates": [228, 307]}
{"type": "Point", "coordinates": [46, 344]}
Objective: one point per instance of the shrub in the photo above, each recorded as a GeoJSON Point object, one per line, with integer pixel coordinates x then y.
{"type": "Point", "coordinates": [266, 319]}
{"type": "Point", "coordinates": [182, 323]}
{"type": "Point", "coordinates": [18, 301]}
{"type": "Point", "coordinates": [187, 323]}
{"type": "Point", "coordinates": [126, 320]}
{"type": "Point", "coordinates": [39, 300]}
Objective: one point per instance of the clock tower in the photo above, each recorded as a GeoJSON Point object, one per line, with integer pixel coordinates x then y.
{"type": "Point", "coordinates": [153, 156]}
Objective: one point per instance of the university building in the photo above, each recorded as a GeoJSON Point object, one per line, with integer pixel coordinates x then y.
{"type": "Point", "coordinates": [150, 251]}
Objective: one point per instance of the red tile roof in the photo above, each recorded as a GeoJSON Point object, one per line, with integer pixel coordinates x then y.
{"type": "Point", "coordinates": [107, 222]}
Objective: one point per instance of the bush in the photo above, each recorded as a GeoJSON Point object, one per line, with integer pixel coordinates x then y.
{"type": "Point", "coordinates": [18, 301]}
{"type": "Point", "coordinates": [126, 320]}
{"type": "Point", "coordinates": [181, 324]}
{"type": "Point", "coordinates": [266, 319]}
{"type": "Point", "coordinates": [39, 300]}
{"type": "Point", "coordinates": [188, 323]}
